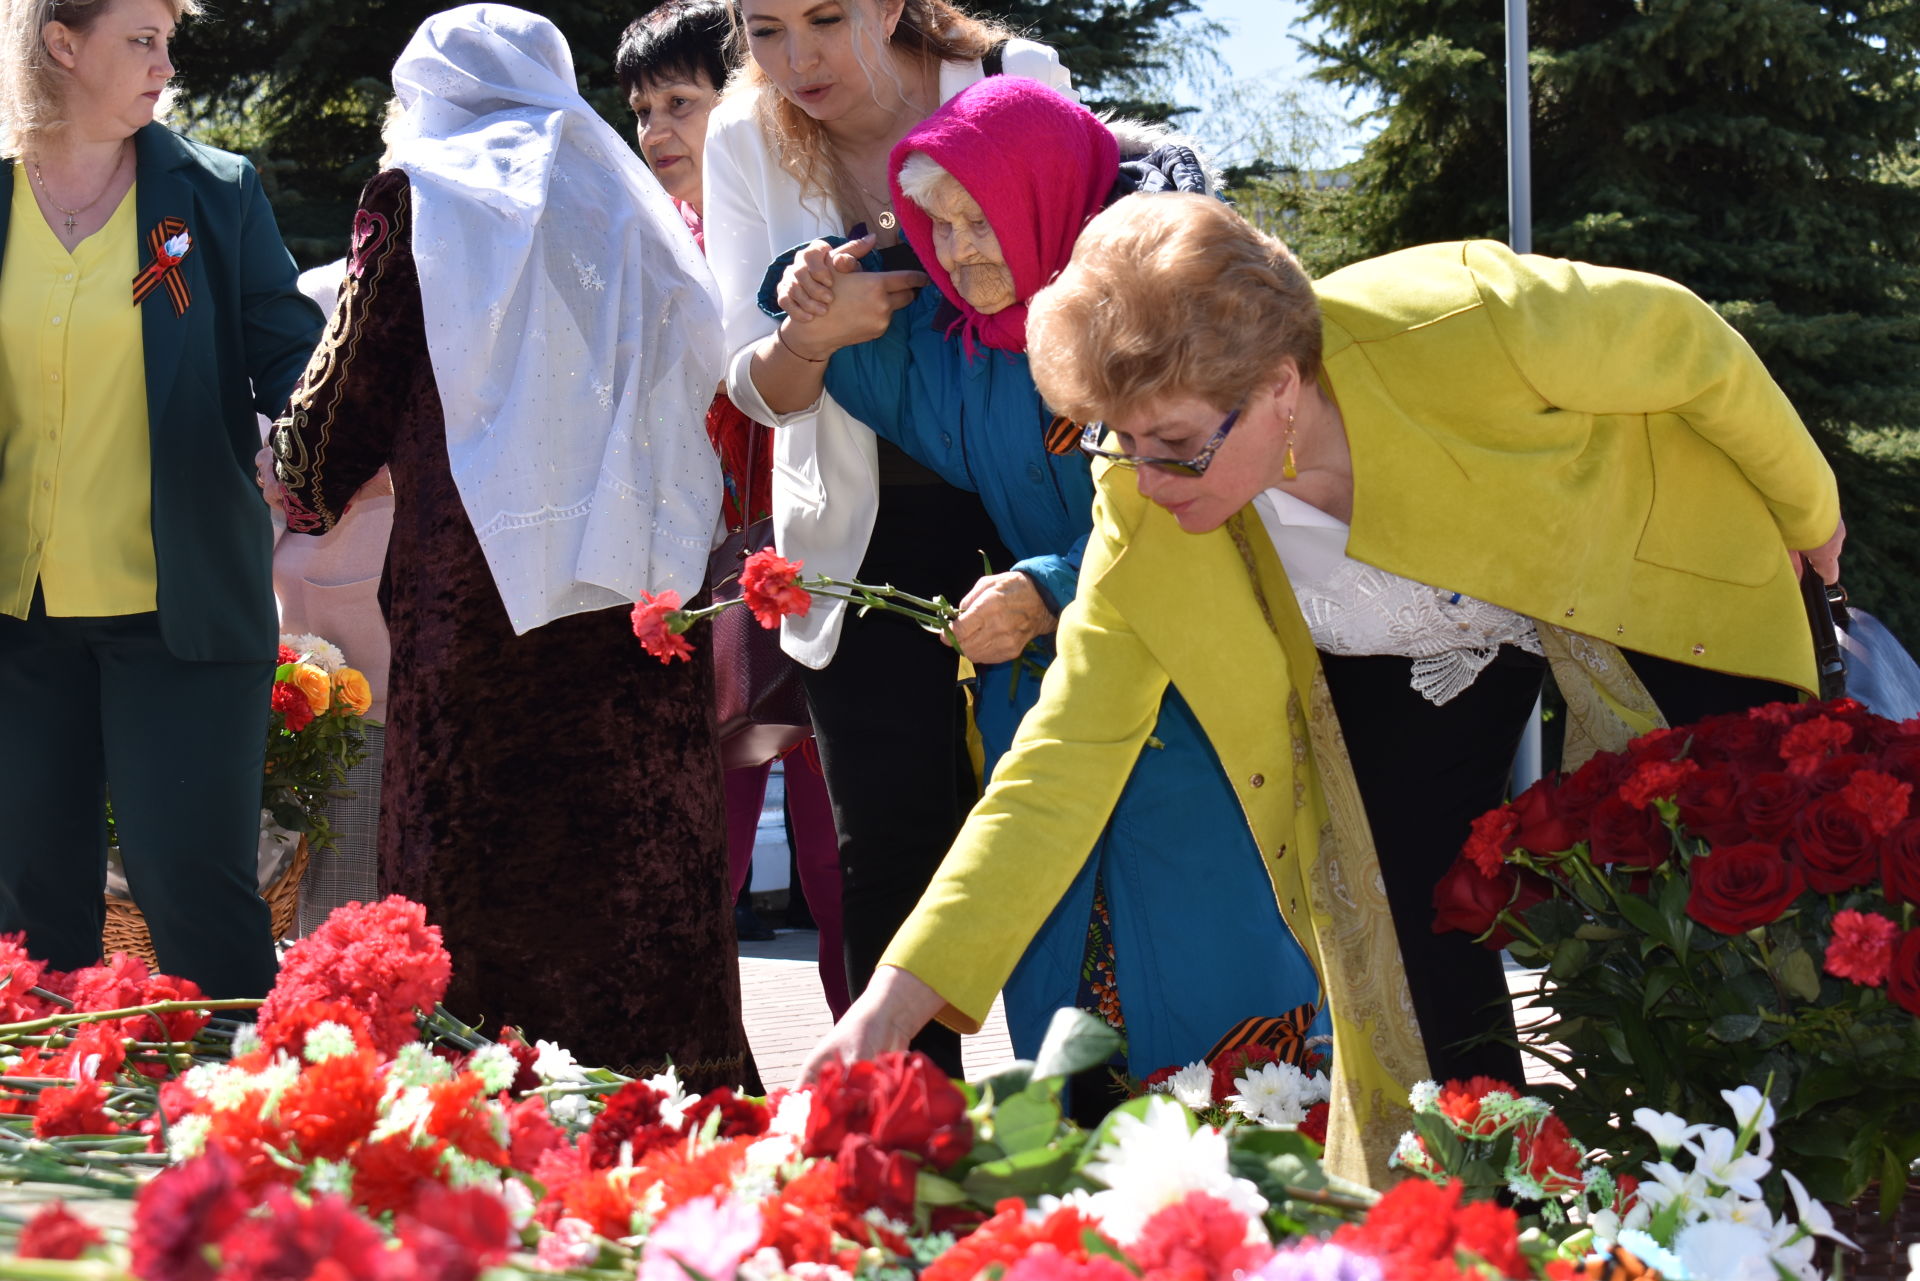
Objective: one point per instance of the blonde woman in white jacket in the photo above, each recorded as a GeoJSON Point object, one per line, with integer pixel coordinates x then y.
{"type": "Point", "coordinates": [797, 150]}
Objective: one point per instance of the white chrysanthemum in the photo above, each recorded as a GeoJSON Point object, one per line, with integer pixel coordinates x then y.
{"type": "Point", "coordinates": [769, 1162]}
{"type": "Point", "coordinates": [1424, 1096]}
{"type": "Point", "coordinates": [495, 1066]}
{"type": "Point", "coordinates": [246, 1040]}
{"type": "Point", "coordinates": [318, 650]}
{"type": "Point", "coordinates": [1192, 1085]}
{"type": "Point", "coordinates": [791, 1115]}
{"type": "Point", "coordinates": [323, 1176]}
{"type": "Point", "coordinates": [1408, 1153]}
{"type": "Point", "coordinates": [187, 1137]}
{"type": "Point", "coordinates": [1149, 1164]}
{"type": "Point", "coordinates": [1276, 1094]}
{"type": "Point", "coordinates": [1724, 1251]}
{"type": "Point", "coordinates": [329, 1040]}
{"type": "Point", "coordinates": [556, 1065]}
{"type": "Point", "coordinates": [415, 1064]}
{"type": "Point", "coordinates": [462, 1171]}
{"type": "Point", "coordinates": [764, 1264]}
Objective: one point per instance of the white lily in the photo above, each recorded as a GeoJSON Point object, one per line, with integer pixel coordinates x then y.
{"type": "Point", "coordinates": [1666, 1130]}
{"type": "Point", "coordinates": [1748, 1104]}
{"type": "Point", "coordinates": [1718, 1155]}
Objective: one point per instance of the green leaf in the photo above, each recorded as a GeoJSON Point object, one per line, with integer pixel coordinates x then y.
{"type": "Point", "coordinates": [1659, 983]}
{"type": "Point", "coordinates": [1024, 1174]}
{"type": "Point", "coordinates": [1798, 975]}
{"type": "Point", "coordinates": [1554, 919]}
{"type": "Point", "coordinates": [1645, 917]}
{"type": "Point", "coordinates": [1029, 1119]}
{"type": "Point", "coordinates": [1075, 1041]}
{"type": "Point", "coordinates": [1730, 1028]}
{"type": "Point", "coordinates": [1568, 961]}
{"type": "Point", "coordinates": [1006, 1083]}
{"type": "Point", "coordinates": [931, 1189]}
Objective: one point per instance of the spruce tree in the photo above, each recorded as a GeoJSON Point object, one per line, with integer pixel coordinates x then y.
{"type": "Point", "coordinates": [1755, 150]}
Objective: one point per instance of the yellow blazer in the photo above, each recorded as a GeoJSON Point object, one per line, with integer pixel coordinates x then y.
{"type": "Point", "coordinates": [1591, 447]}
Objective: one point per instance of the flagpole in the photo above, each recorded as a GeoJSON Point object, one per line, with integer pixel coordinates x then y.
{"type": "Point", "coordinates": [1527, 763]}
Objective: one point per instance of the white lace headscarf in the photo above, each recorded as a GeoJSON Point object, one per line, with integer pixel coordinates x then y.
{"type": "Point", "coordinates": [573, 327]}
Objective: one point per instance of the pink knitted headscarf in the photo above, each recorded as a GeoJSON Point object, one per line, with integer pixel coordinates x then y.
{"type": "Point", "coordinates": [1040, 166]}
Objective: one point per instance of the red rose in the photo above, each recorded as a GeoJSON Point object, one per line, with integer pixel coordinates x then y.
{"type": "Point", "coordinates": [1738, 740]}
{"type": "Point", "coordinates": [769, 585]}
{"type": "Point", "coordinates": [653, 623]}
{"type": "Point", "coordinates": [1768, 803]}
{"type": "Point", "coordinates": [902, 1100]}
{"type": "Point", "coordinates": [1541, 826]}
{"type": "Point", "coordinates": [1903, 980]}
{"type": "Point", "coordinates": [1900, 863]}
{"type": "Point", "coordinates": [1836, 772]}
{"type": "Point", "coordinates": [1623, 834]}
{"type": "Point", "coordinates": [1709, 804]}
{"type": "Point", "coordinates": [1901, 757]}
{"type": "Point", "coordinates": [1739, 887]}
{"type": "Point", "coordinates": [1592, 783]}
{"type": "Point", "coordinates": [1834, 844]}
{"type": "Point", "coordinates": [867, 1174]}
{"type": "Point", "coordinates": [1465, 900]}
{"type": "Point", "coordinates": [1659, 745]}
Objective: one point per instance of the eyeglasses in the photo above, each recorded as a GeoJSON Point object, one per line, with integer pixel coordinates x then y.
{"type": "Point", "coordinates": [1091, 434]}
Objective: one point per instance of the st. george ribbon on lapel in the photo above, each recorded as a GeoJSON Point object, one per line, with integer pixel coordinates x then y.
{"type": "Point", "coordinates": [170, 242]}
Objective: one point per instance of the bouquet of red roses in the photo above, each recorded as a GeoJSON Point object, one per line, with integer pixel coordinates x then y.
{"type": "Point", "coordinates": [1724, 904]}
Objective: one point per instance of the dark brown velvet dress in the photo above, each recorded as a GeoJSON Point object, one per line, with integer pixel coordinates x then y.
{"type": "Point", "coordinates": [554, 799]}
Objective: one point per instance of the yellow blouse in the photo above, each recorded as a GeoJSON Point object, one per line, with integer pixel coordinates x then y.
{"type": "Point", "coordinates": [76, 470]}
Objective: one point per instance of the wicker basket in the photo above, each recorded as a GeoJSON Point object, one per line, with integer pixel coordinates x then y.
{"type": "Point", "coordinates": [127, 928]}
{"type": "Point", "coordinates": [1883, 1242]}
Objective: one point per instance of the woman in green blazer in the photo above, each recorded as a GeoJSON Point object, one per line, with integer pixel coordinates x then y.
{"type": "Point", "coordinates": [147, 309]}
{"type": "Point", "coordinates": [1551, 461]}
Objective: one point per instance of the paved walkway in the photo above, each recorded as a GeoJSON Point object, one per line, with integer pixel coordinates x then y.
{"type": "Point", "coordinates": [786, 1014]}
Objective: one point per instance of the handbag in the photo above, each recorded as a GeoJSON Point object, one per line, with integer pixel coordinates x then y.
{"type": "Point", "coordinates": [759, 703]}
{"type": "Point", "coordinates": [1830, 659]}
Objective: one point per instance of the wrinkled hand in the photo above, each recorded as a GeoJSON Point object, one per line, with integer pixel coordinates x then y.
{"type": "Point", "coordinates": [892, 1010]}
{"type": "Point", "coordinates": [806, 287]}
{"type": "Point", "coordinates": [999, 616]}
{"type": "Point", "coordinates": [861, 307]}
{"type": "Point", "coordinates": [1825, 558]}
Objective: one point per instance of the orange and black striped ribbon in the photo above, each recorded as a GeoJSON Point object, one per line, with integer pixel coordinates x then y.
{"type": "Point", "coordinates": [1063, 435]}
{"type": "Point", "coordinates": [164, 270]}
{"type": "Point", "coordinates": [1284, 1034]}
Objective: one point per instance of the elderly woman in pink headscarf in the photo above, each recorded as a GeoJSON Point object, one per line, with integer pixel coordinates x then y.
{"type": "Point", "coordinates": [1170, 930]}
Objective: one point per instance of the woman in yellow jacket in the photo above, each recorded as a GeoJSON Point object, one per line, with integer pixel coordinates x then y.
{"type": "Point", "coordinates": [1555, 462]}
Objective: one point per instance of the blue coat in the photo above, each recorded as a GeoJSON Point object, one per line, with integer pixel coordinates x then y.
{"type": "Point", "coordinates": [1197, 935]}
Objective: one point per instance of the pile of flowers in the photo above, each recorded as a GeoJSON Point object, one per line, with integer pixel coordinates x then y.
{"type": "Point", "coordinates": [356, 1130]}
{"type": "Point", "coordinates": [314, 734]}
{"type": "Point", "coordinates": [1723, 904]}
{"type": "Point", "coordinates": [1494, 1139]}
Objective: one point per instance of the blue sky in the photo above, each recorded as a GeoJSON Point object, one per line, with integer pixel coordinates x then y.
{"type": "Point", "coordinates": [1263, 34]}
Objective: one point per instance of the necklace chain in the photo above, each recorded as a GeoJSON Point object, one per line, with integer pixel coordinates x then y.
{"type": "Point", "coordinates": [73, 215]}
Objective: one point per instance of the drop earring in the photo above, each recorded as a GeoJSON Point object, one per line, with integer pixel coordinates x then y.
{"type": "Point", "coordinates": [1288, 468]}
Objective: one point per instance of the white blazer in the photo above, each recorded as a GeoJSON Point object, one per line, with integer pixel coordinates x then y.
{"type": "Point", "coordinates": [826, 486]}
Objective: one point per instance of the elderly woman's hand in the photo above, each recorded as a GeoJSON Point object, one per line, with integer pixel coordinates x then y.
{"type": "Point", "coordinates": [806, 287]}
{"type": "Point", "coordinates": [892, 1010]}
{"type": "Point", "coordinates": [862, 307]}
{"type": "Point", "coordinates": [999, 616]}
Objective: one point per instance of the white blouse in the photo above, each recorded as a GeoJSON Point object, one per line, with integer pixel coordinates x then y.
{"type": "Point", "coordinates": [826, 488]}
{"type": "Point", "coordinates": [1354, 608]}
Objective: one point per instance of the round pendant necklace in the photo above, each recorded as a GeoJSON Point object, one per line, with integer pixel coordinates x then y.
{"type": "Point", "coordinates": [885, 218]}
{"type": "Point", "coordinates": [73, 215]}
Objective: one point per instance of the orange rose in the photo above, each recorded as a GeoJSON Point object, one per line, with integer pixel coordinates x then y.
{"type": "Point", "coordinates": [314, 684]}
{"type": "Point", "coordinates": [353, 691]}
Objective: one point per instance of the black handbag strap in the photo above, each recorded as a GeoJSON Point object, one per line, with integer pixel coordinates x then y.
{"type": "Point", "coordinates": [1830, 660]}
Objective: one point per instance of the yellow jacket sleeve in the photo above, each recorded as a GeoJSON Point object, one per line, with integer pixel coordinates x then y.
{"type": "Point", "coordinates": [1605, 341]}
{"type": "Point", "coordinates": [1050, 797]}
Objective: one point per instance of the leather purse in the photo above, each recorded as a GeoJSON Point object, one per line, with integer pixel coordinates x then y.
{"type": "Point", "coordinates": [758, 700]}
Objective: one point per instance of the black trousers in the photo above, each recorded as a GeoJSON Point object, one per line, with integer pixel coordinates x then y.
{"type": "Point", "coordinates": [890, 719]}
{"type": "Point", "coordinates": [92, 703]}
{"type": "Point", "coordinates": [1425, 773]}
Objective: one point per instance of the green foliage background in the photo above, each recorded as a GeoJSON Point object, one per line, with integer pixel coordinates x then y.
{"type": "Point", "coordinates": [1760, 151]}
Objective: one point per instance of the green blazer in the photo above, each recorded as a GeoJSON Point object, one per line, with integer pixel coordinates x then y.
{"type": "Point", "coordinates": [244, 338]}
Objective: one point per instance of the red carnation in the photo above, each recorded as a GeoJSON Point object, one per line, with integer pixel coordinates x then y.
{"type": "Point", "coordinates": [769, 586]}
{"type": "Point", "coordinates": [1314, 1124]}
{"type": "Point", "coordinates": [64, 1111]}
{"type": "Point", "coordinates": [1881, 798]}
{"type": "Point", "coordinates": [1653, 780]}
{"type": "Point", "coordinates": [1903, 976]}
{"type": "Point", "coordinates": [1459, 1102]}
{"type": "Point", "coordinates": [631, 1119]}
{"type": "Point", "coordinates": [1548, 1155]}
{"type": "Point", "coordinates": [1807, 744]}
{"type": "Point", "coordinates": [1740, 887]}
{"type": "Point", "coordinates": [1861, 950]}
{"type": "Point", "coordinates": [653, 622]}
{"type": "Point", "coordinates": [1008, 1237]}
{"type": "Point", "coordinates": [461, 1113]}
{"type": "Point", "coordinates": [1236, 1063]}
{"type": "Point", "coordinates": [389, 1174]}
{"type": "Point", "coordinates": [1198, 1237]}
{"type": "Point", "coordinates": [1489, 842]}
{"type": "Point", "coordinates": [333, 1105]}
{"type": "Point", "coordinates": [322, 1239]}
{"type": "Point", "coordinates": [185, 1209]}
{"type": "Point", "coordinates": [1418, 1229]}
{"type": "Point", "coordinates": [19, 973]}
{"type": "Point", "coordinates": [57, 1233]}
{"type": "Point", "coordinates": [455, 1234]}
{"type": "Point", "coordinates": [381, 958]}
{"type": "Point", "coordinates": [287, 655]}
{"type": "Point", "coordinates": [739, 1118]}
{"type": "Point", "coordinates": [291, 703]}
{"type": "Point", "coordinates": [1047, 1264]}
{"type": "Point", "coordinates": [1164, 1074]}
{"type": "Point", "coordinates": [531, 1133]}
{"type": "Point", "coordinates": [524, 1056]}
